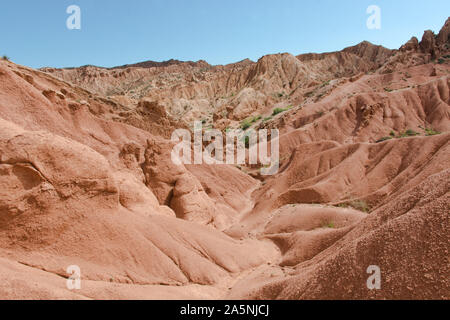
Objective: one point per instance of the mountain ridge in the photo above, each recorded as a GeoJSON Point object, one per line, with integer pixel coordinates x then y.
{"type": "Point", "coordinates": [87, 179]}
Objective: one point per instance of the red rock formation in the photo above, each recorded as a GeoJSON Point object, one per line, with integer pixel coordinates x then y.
{"type": "Point", "coordinates": [86, 178]}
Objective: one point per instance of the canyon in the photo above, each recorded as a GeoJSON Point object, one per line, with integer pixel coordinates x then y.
{"type": "Point", "coordinates": [87, 179]}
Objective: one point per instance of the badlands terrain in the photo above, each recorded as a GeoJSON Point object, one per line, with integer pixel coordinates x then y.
{"type": "Point", "coordinates": [86, 178]}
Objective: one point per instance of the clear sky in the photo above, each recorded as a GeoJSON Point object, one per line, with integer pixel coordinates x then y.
{"type": "Point", "coordinates": [114, 32]}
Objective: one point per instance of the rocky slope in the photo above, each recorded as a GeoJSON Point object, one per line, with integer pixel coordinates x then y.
{"type": "Point", "coordinates": [86, 178]}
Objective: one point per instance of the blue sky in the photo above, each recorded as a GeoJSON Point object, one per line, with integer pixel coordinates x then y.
{"type": "Point", "coordinates": [114, 32]}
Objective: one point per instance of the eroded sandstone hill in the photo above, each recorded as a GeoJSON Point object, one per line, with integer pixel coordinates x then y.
{"type": "Point", "coordinates": [86, 178]}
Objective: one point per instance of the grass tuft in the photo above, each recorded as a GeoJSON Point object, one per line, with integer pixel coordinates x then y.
{"type": "Point", "coordinates": [431, 132]}
{"type": "Point", "coordinates": [360, 205]}
{"type": "Point", "coordinates": [280, 110]}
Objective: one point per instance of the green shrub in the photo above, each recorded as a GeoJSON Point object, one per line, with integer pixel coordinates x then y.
{"type": "Point", "coordinates": [411, 133]}
{"type": "Point", "coordinates": [278, 111]}
{"type": "Point", "coordinates": [246, 124]}
{"type": "Point", "coordinates": [6, 58]}
{"type": "Point", "coordinates": [328, 225]}
{"type": "Point", "coordinates": [383, 139]}
{"type": "Point", "coordinates": [407, 133]}
{"type": "Point", "coordinates": [360, 205]}
{"type": "Point", "coordinates": [431, 132]}
{"type": "Point", "coordinates": [254, 119]}
{"type": "Point", "coordinates": [325, 84]}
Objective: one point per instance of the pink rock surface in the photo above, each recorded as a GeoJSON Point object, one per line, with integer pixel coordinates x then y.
{"type": "Point", "coordinates": [86, 178]}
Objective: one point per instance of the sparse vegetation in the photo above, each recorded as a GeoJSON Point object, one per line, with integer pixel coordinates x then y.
{"type": "Point", "coordinates": [255, 119]}
{"type": "Point", "coordinates": [6, 58]}
{"type": "Point", "coordinates": [247, 141]}
{"type": "Point", "coordinates": [246, 124]}
{"type": "Point", "coordinates": [384, 139]}
{"type": "Point", "coordinates": [280, 110]}
{"type": "Point", "coordinates": [441, 61]}
{"type": "Point", "coordinates": [408, 133]}
{"type": "Point", "coordinates": [360, 205]}
{"type": "Point", "coordinates": [277, 111]}
{"type": "Point", "coordinates": [329, 225]}
{"type": "Point", "coordinates": [431, 132]}
{"type": "Point", "coordinates": [255, 196]}
{"type": "Point", "coordinates": [325, 84]}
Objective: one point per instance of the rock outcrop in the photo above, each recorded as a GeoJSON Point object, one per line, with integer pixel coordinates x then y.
{"type": "Point", "coordinates": [87, 178]}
